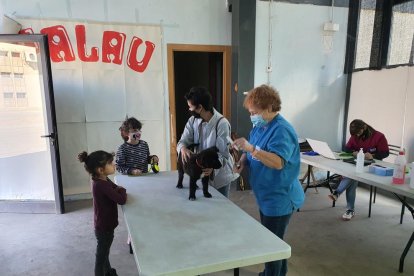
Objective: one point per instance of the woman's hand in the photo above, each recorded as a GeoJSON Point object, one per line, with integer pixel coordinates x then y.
{"type": "Point", "coordinates": [238, 167]}
{"type": "Point", "coordinates": [368, 156]}
{"type": "Point", "coordinates": [185, 154]}
{"type": "Point", "coordinates": [207, 171]}
{"type": "Point", "coordinates": [243, 144]}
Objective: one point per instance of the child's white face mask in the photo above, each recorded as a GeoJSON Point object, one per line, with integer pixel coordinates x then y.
{"type": "Point", "coordinates": [135, 136]}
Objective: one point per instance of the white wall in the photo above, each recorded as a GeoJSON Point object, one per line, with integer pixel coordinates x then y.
{"type": "Point", "coordinates": [182, 21]}
{"type": "Point", "coordinates": [308, 76]}
{"type": "Point", "coordinates": [384, 99]}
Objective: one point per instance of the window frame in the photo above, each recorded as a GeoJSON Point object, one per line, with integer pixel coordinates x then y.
{"type": "Point", "coordinates": [381, 36]}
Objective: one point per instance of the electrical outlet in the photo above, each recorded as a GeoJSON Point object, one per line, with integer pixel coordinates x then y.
{"type": "Point", "coordinates": [331, 27]}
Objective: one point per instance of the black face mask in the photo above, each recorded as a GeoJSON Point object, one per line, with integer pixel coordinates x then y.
{"type": "Point", "coordinates": [195, 114]}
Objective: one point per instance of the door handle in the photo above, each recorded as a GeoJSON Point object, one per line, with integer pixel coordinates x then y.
{"type": "Point", "coordinates": [52, 137]}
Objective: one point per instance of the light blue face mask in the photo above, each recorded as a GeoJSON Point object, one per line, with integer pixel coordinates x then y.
{"type": "Point", "coordinates": [257, 120]}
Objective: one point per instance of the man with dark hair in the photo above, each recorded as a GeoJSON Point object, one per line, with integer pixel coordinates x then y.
{"type": "Point", "coordinates": [207, 128]}
{"type": "Point", "coordinates": [200, 96]}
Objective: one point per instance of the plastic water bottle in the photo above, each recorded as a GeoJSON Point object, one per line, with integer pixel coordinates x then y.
{"type": "Point", "coordinates": [360, 161]}
{"type": "Point", "coordinates": [400, 162]}
{"type": "Point", "coordinates": [412, 176]}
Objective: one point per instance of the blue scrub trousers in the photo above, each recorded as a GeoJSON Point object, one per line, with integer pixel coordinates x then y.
{"type": "Point", "coordinates": [277, 225]}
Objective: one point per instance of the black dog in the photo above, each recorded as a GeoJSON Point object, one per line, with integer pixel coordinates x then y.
{"type": "Point", "coordinates": [207, 158]}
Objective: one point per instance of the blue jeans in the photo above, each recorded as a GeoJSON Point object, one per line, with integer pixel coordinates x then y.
{"type": "Point", "coordinates": [277, 225]}
{"type": "Point", "coordinates": [350, 186]}
{"type": "Point", "coordinates": [102, 265]}
{"type": "Point", "coordinates": [224, 190]}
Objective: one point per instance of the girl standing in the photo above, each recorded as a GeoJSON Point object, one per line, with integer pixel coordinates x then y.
{"type": "Point", "coordinates": [106, 196]}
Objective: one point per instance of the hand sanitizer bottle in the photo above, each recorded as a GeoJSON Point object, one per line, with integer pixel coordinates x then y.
{"type": "Point", "coordinates": [360, 161]}
{"type": "Point", "coordinates": [398, 177]}
{"type": "Point", "coordinates": [412, 176]}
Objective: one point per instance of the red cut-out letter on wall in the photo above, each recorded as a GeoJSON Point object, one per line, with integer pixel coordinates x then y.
{"type": "Point", "coordinates": [81, 43]}
{"type": "Point", "coordinates": [113, 47]}
{"type": "Point", "coordinates": [59, 43]}
{"type": "Point", "coordinates": [26, 31]}
{"type": "Point", "coordinates": [133, 63]}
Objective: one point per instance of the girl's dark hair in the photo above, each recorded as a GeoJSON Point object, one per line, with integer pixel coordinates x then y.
{"type": "Point", "coordinates": [199, 95]}
{"type": "Point", "coordinates": [131, 123]}
{"type": "Point", "coordinates": [357, 125]}
{"type": "Point", "coordinates": [95, 160]}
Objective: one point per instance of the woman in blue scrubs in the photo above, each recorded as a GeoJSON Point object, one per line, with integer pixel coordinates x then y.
{"type": "Point", "coordinates": [272, 156]}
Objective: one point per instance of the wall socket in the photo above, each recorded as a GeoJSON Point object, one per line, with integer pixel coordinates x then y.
{"type": "Point", "coordinates": [331, 27]}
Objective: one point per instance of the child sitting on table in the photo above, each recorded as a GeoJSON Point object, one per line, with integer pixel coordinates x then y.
{"type": "Point", "coordinates": [133, 156]}
{"type": "Point", "coordinates": [106, 196]}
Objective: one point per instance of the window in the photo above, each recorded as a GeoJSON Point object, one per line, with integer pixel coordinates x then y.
{"type": "Point", "coordinates": [365, 34]}
{"type": "Point", "coordinates": [4, 59]}
{"type": "Point", "coordinates": [8, 95]}
{"type": "Point", "coordinates": [402, 34]}
{"type": "Point", "coordinates": [17, 59]}
{"type": "Point", "coordinates": [5, 74]}
{"type": "Point", "coordinates": [381, 33]}
{"type": "Point", "coordinates": [9, 100]}
{"type": "Point", "coordinates": [21, 95]}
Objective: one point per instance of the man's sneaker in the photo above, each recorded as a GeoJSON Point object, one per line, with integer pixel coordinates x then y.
{"type": "Point", "coordinates": [348, 215]}
{"type": "Point", "coordinates": [334, 196]}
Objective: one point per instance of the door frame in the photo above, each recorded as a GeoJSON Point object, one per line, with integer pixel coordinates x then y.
{"type": "Point", "coordinates": [171, 48]}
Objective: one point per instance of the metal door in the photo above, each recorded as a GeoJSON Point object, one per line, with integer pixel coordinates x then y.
{"type": "Point", "coordinates": [29, 154]}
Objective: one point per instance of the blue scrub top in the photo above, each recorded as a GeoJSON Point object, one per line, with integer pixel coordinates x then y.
{"type": "Point", "coordinates": [278, 192]}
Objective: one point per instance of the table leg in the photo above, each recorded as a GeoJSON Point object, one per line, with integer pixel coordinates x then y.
{"type": "Point", "coordinates": [308, 178]}
{"type": "Point", "coordinates": [314, 180]}
{"type": "Point", "coordinates": [236, 272]}
{"type": "Point", "coordinates": [329, 186]}
{"type": "Point", "coordinates": [410, 241]}
{"type": "Point", "coordinates": [370, 201]}
{"type": "Point", "coordinates": [402, 212]}
{"type": "Point", "coordinates": [407, 247]}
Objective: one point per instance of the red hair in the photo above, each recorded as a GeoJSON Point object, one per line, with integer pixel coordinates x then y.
{"type": "Point", "coordinates": [263, 97]}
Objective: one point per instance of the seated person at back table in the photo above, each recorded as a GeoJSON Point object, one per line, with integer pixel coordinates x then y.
{"type": "Point", "coordinates": [374, 144]}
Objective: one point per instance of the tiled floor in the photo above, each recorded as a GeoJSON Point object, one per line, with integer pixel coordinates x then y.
{"type": "Point", "coordinates": [322, 244]}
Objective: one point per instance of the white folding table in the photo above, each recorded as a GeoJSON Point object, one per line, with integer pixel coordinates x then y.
{"type": "Point", "coordinates": [172, 235]}
{"type": "Point", "coordinates": [384, 182]}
